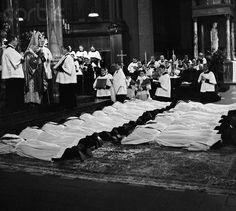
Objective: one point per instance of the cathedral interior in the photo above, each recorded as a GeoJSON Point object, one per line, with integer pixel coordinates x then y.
{"type": "Point", "coordinates": [123, 166]}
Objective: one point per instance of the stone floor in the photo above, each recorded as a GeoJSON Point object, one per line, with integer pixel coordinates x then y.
{"type": "Point", "coordinates": [229, 96]}
{"type": "Point", "coordinates": [24, 189]}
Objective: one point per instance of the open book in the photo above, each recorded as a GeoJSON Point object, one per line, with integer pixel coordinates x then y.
{"type": "Point", "coordinates": [101, 83]}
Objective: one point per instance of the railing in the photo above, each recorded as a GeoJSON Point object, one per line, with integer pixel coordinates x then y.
{"type": "Point", "coordinates": [211, 2]}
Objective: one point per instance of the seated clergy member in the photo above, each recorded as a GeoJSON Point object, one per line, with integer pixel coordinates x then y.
{"type": "Point", "coordinates": [12, 73]}
{"type": "Point", "coordinates": [132, 68]}
{"type": "Point", "coordinates": [163, 91]}
{"type": "Point", "coordinates": [95, 59]}
{"type": "Point", "coordinates": [201, 60]}
{"type": "Point", "coordinates": [208, 82]}
{"type": "Point", "coordinates": [81, 54]}
{"type": "Point", "coordinates": [160, 62]}
{"type": "Point", "coordinates": [119, 83]}
{"type": "Point", "coordinates": [103, 84]}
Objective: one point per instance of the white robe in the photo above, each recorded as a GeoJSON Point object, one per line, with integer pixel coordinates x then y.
{"type": "Point", "coordinates": [132, 67]}
{"type": "Point", "coordinates": [11, 64]}
{"type": "Point", "coordinates": [82, 54]}
{"type": "Point", "coordinates": [207, 87]}
{"type": "Point", "coordinates": [47, 64]}
{"type": "Point", "coordinates": [188, 125]}
{"type": "Point", "coordinates": [104, 92]}
{"type": "Point", "coordinates": [165, 89]}
{"type": "Point", "coordinates": [119, 82]}
{"type": "Point", "coordinates": [94, 54]}
{"type": "Point", "coordinates": [68, 76]}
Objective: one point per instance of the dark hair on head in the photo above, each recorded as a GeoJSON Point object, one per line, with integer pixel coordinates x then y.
{"type": "Point", "coordinates": [67, 47]}
{"type": "Point", "coordinates": [10, 38]}
{"type": "Point", "coordinates": [162, 66]}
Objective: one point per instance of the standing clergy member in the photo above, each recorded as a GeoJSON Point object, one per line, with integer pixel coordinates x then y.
{"type": "Point", "coordinates": [95, 59]}
{"type": "Point", "coordinates": [103, 84]}
{"type": "Point", "coordinates": [143, 86]}
{"type": "Point", "coordinates": [66, 78]}
{"type": "Point", "coordinates": [208, 82]}
{"type": "Point", "coordinates": [163, 91]}
{"type": "Point", "coordinates": [35, 76]}
{"type": "Point", "coordinates": [119, 83]}
{"type": "Point", "coordinates": [48, 97]}
{"type": "Point", "coordinates": [12, 73]}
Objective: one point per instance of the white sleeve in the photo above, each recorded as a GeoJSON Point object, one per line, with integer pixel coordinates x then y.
{"type": "Point", "coordinates": [156, 64]}
{"type": "Point", "coordinates": [199, 78]}
{"type": "Point", "coordinates": [49, 55]}
{"type": "Point", "coordinates": [68, 65]}
{"type": "Point", "coordinates": [14, 58]}
{"type": "Point", "coordinates": [99, 55]}
{"type": "Point", "coordinates": [129, 67]}
{"type": "Point", "coordinates": [164, 83]}
{"type": "Point", "coordinates": [59, 62]}
{"type": "Point", "coordinates": [95, 83]}
{"type": "Point", "coordinates": [212, 78]}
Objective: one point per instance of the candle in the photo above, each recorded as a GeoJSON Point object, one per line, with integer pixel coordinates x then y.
{"type": "Point", "coordinates": [145, 57]}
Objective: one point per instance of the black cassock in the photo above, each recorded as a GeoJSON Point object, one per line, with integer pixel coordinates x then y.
{"type": "Point", "coordinates": [88, 80]}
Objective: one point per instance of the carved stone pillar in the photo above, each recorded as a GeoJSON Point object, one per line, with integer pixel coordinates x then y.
{"type": "Point", "coordinates": [232, 41]}
{"type": "Point", "coordinates": [228, 54]}
{"type": "Point", "coordinates": [54, 27]}
{"type": "Point", "coordinates": [195, 38]}
{"type": "Point", "coordinates": [202, 39]}
{"type": "Point", "coordinates": [145, 21]}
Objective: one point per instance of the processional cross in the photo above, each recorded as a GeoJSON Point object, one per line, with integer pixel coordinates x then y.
{"type": "Point", "coordinates": [121, 55]}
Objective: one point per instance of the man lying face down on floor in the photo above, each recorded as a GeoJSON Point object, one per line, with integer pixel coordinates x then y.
{"type": "Point", "coordinates": [84, 149]}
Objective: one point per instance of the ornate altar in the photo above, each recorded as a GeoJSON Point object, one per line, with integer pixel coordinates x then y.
{"type": "Point", "coordinates": [207, 12]}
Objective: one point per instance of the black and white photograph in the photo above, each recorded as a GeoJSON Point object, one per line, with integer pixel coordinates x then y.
{"type": "Point", "coordinates": [117, 105]}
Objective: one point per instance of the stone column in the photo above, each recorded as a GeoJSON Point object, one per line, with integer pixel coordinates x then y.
{"type": "Point", "coordinates": [145, 27]}
{"type": "Point", "coordinates": [202, 39]}
{"type": "Point", "coordinates": [232, 41]}
{"type": "Point", "coordinates": [112, 15]}
{"type": "Point", "coordinates": [228, 54]}
{"type": "Point", "coordinates": [54, 27]}
{"type": "Point", "coordinates": [195, 38]}
{"type": "Point", "coordinates": [9, 15]}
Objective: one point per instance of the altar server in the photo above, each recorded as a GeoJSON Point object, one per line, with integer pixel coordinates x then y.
{"type": "Point", "coordinates": [163, 91]}
{"type": "Point", "coordinates": [103, 84]}
{"type": "Point", "coordinates": [143, 86]}
{"type": "Point", "coordinates": [66, 78]}
{"type": "Point", "coordinates": [208, 83]}
{"type": "Point", "coordinates": [12, 73]}
{"type": "Point", "coordinates": [119, 83]}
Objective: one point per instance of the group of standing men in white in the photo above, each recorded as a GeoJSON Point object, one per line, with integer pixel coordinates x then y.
{"type": "Point", "coordinates": [27, 76]}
